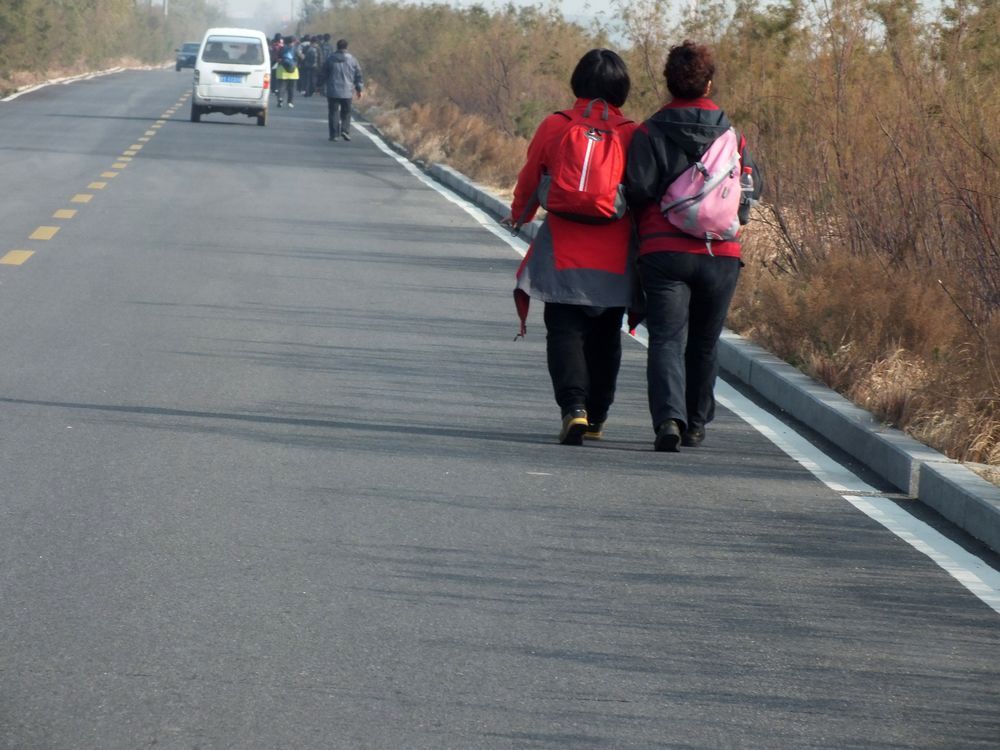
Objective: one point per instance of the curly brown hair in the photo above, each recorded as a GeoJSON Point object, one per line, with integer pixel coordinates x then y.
{"type": "Point", "coordinates": [690, 68]}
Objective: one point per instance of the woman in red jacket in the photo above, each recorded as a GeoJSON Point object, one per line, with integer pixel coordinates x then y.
{"type": "Point", "coordinates": [688, 281]}
{"type": "Point", "coordinates": [583, 272]}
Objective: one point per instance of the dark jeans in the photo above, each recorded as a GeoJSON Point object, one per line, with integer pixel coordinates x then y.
{"type": "Point", "coordinates": [687, 298]}
{"type": "Point", "coordinates": [339, 116]}
{"type": "Point", "coordinates": [306, 76]}
{"type": "Point", "coordinates": [584, 348]}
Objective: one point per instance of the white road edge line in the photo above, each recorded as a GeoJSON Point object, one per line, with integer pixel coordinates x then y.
{"type": "Point", "coordinates": [63, 81]}
{"type": "Point", "coordinates": [975, 575]}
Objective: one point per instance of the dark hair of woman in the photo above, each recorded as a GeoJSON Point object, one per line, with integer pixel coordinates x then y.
{"type": "Point", "coordinates": [601, 74]}
{"type": "Point", "coordinates": [690, 68]}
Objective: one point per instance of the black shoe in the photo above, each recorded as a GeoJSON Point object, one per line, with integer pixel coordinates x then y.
{"type": "Point", "coordinates": [346, 137]}
{"type": "Point", "coordinates": [574, 424]}
{"type": "Point", "coordinates": [693, 437]}
{"type": "Point", "coordinates": [332, 138]}
{"type": "Point", "coordinates": [668, 437]}
{"type": "Point", "coordinates": [595, 428]}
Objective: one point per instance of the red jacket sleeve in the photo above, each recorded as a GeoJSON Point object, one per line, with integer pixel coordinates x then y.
{"type": "Point", "coordinates": [525, 203]}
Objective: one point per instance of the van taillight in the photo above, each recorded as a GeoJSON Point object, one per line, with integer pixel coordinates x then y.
{"type": "Point", "coordinates": [197, 75]}
{"type": "Point", "coordinates": [267, 81]}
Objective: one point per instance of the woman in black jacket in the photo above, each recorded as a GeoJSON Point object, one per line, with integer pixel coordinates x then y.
{"type": "Point", "coordinates": [688, 281]}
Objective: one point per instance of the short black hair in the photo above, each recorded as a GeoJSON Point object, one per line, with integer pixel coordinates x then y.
{"type": "Point", "coordinates": [341, 44]}
{"type": "Point", "coordinates": [601, 74]}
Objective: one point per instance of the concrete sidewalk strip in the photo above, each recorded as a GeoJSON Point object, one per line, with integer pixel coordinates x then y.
{"type": "Point", "coordinates": [954, 491]}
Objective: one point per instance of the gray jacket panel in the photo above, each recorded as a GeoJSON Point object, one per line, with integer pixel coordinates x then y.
{"type": "Point", "coordinates": [342, 75]}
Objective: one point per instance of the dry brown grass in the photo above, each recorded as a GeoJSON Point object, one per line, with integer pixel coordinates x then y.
{"type": "Point", "coordinates": [443, 135]}
{"type": "Point", "coordinates": [44, 40]}
{"type": "Point", "coordinates": [897, 346]}
{"type": "Point", "coordinates": [469, 143]}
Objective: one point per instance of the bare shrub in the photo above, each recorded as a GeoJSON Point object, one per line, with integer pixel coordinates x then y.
{"type": "Point", "coordinates": [468, 143]}
{"type": "Point", "coordinates": [41, 39]}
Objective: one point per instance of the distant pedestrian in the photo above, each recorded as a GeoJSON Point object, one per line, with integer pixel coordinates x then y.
{"type": "Point", "coordinates": [688, 280]}
{"type": "Point", "coordinates": [287, 71]}
{"type": "Point", "coordinates": [274, 50]}
{"type": "Point", "coordinates": [309, 67]}
{"type": "Point", "coordinates": [582, 270]}
{"type": "Point", "coordinates": [326, 49]}
{"type": "Point", "coordinates": [342, 78]}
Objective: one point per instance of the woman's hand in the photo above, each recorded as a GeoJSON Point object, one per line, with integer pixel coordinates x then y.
{"type": "Point", "coordinates": [513, 226]}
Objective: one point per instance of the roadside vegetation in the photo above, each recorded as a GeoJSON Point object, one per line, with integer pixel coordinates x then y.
{"type": "Point", "coordinates": [42, 39]}
{"type": "Point", "coordinates": [874, 264]}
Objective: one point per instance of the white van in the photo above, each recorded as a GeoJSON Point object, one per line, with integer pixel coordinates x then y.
{"type": "Point", "coordinates": [232, 74]}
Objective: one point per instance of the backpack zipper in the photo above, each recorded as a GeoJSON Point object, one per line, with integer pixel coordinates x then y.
{"type": "Point", "coordinates": [593, 136]}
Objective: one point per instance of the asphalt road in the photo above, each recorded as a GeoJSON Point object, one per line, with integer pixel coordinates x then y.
{"type": "Point", "coordinates": [273, 474]}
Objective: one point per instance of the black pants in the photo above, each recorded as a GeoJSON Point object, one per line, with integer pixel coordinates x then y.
{"type": "Point", "coordinates": [306, 76]}
{"type": "Point", "coordinates": [584, 349]}
{"type": "Point", "coordinates": [687, 299]}
{"type": "Point", "coordinates": [339, 116]}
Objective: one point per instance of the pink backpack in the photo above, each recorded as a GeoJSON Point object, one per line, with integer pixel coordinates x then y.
{"type": "Point", "coordinates": [704, 201]}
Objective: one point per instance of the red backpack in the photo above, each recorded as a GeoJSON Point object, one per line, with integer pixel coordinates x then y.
{"type": "Point", "coordinates": [583, 182]}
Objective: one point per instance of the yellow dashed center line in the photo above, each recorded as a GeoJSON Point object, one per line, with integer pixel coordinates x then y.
{"type": "Point", "coordinates": [44, 233]}
{"type": "Point", "coordinates": [16, 257]}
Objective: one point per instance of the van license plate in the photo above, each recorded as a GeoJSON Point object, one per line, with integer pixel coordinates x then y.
{"type": "Point", "coordinates": [230, 78]}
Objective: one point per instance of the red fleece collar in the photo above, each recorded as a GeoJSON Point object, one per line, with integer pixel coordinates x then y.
{"type": "Point", "coordinates": [702, 103]}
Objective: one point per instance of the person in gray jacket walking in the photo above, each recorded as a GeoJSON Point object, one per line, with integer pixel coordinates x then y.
{"type": "Point", "coordinates": [342, 76]}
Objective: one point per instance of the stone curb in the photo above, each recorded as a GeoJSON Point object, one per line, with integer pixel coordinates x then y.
{"type": "Point", "coordinates": [954, 491]}
{"type": "Point", "coordinates": [887, 451]}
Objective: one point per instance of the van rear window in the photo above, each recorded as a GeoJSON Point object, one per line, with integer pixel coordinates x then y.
{"type": "Point", "coordinates": [233, 49]}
